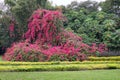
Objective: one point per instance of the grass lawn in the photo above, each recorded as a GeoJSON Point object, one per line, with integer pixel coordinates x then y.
{"type": "Point", "coordinates": [67, 75]}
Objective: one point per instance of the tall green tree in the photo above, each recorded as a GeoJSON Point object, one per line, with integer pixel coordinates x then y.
{"type": "Point", "coordinates": [22, 9]}
{"type": "Point", "coordinates": [111, 6]}
{"type": "Point", "coordinates": [94, 27]}
{"type": "Point", "coordinates": [18, 11]}
{"type": "Point", "coordinates": [89, 5]}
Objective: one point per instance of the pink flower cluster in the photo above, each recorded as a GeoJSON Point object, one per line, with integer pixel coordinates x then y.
{"type": "Point", "coordinates": [43, 25]}
{"type": "Point", "coordinates": [21, 50]}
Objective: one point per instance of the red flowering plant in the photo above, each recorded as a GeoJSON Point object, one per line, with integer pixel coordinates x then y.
{"type": "Point", "coordinates": [44, 25]}
{"type": "Point", "coordinates": [24, 51]}
{"type": "Point", "coordinates": [47, 40]}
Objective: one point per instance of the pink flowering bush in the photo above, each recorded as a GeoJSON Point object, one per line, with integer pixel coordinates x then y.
{"type": "Point", "coordinates": [46, 40]}
{"type": "Point", "coordinates": [24, 51]}
{"type": "Point", "coordinates": [44, 26]}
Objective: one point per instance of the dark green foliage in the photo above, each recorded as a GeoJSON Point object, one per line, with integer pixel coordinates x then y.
{"type": "Point", "coordinates": [4, 32]}
{"type": "Point", "coordinates": [22, 10]}
{"type": "Point", "coordinates": [94, 27]}
{"type": "Point", "coordinates": [111, 6]}
{"type": "Point", "coordinates": [89, 5]}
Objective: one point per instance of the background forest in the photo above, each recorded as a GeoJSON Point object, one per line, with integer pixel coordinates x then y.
{"type": "Point", "coordinates": [94, 22]}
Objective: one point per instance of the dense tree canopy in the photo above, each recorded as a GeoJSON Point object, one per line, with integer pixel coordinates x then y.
{"type": "Point", "coordinates": [22, 9]}
{"type": "Point", "coordinates": [94, 26]}
{"type": "Point", "coordinates": [89, 5]}
{"type": "Point", "coordinates": [111, 6]}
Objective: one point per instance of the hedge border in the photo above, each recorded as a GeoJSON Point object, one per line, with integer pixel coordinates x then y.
{"type": "Point", "coordinates": [72, 67]}
{"type": "Point", "coordinates": [115, 58]}
{"type": "Point", "coordinates": [59, 63]}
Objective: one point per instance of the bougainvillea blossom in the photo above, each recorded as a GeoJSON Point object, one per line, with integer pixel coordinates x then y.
{"type": "Point", "coordinates": [42, 26]}
{"type": "Point", "coordinates": [46, 40]}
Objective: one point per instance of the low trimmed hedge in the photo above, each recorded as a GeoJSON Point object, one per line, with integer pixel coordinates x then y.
{"type": "Point", "coordinates": [58, 66]}
{"type": "Point", "coordinates": [59, 63]}
{"type": "Point", "coordinates": [93, 63]}
{"type": "Point", "coordinates": [73, 67]}
{"type": "Point", "coordinates": [115, 58]}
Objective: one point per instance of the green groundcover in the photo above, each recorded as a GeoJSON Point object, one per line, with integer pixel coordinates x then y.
{"type": "Point", "coordinates": [63, 75]}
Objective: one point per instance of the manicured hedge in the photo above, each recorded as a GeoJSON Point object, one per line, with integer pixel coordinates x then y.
{"type": "Point", "coordinates": [116, 58]}
{"type": "Point", "coordinates": [58, 66]}
{"type": "Point", "coordinates": [91, 64]}
{"type": "Point", "coordinates": [59, 63]}
{"type": "Point", "coordinates": [73, 67]}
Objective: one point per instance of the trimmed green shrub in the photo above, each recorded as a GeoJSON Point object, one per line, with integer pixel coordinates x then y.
{"type": "Point", "coordinates": [72, 67]}
{"type": "Point", "coordinates": [58, 63]}
{"type": "Point", "coordinates": [117, 58]}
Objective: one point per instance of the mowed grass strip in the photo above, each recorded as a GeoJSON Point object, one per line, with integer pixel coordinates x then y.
{"type": "Point", "coordinates": [64, 75]}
